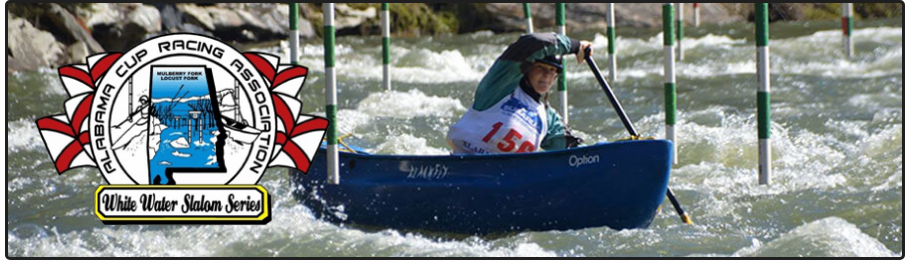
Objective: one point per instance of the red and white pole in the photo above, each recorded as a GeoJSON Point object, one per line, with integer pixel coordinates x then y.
{"type": "Point", "coordinates": [847, 23]}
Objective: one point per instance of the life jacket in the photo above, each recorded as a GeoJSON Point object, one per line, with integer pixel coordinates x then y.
{"type": "Point", "coordinates": [517, 123]}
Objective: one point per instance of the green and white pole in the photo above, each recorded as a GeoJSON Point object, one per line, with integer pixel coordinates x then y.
{"type": "Point", "coordinates": [331, 100]}
{"type": "Point", "coordinates": [386, 46]}
{"type": "Point", "coordinates": [295, 33]}
{"type": "Point", "coordinates": [562, 89]}
{"type": "Point", "coordinates": [695, 14]}
{"type": "Point", "coordinates": [680, 15]}
{"type": "Point", "coordinates": [528, 20]}
{"type": "Point", "coordinates": [611, 42]}
{"type": "Point", "coordinates": [764, 93]}
{"type": "Point", "coordinates": [847, 23]}
{"type": "Point", "coordinates": [669, 78]}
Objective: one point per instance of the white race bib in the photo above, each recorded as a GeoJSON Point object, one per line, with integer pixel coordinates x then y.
{"type": "Point", "coordinates": [517, 123]}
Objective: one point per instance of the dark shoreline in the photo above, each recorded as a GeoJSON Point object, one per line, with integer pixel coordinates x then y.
{"type": "Point", "coordinates": [51, 35]}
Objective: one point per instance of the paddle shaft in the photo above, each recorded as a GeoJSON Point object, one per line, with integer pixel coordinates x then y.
{"type": "Point", "coordinates": [629, 127]}
{"type": "Point", "coordinates": [679, 210]}
{"type": "Point", "coordinates": [606, 87]}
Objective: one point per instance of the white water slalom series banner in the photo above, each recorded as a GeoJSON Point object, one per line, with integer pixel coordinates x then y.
{"type": "Point", "coordinates": [182, 203]}
{"type": "Point", "coordinates": [182, 126]}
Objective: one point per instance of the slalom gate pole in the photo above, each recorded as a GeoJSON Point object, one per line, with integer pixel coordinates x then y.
{"type": "Point", "coordinates": [294, 41]}
{"type": "Point", "coordinates": [331, 100]}
{"type": "Point", "coordinates": [562, 89]}
{"type": "Point", "coordinates": [528, 20]}
{"type": "Point", "coordinates": [764, 93]}
{"type": "Point", "coordinates": [847, 24]}
{"type": "Point", "coordinates": [679, 30]}
{"type": "Point", "coordinates": [669, 78]}
{"type": "Point", "coordinates": [611, 42]}
{"type": "Point", "coordinates": [295, 33]}
{"type": "Point", "coordinates": [386, 46]}
{"type": "Point", "coordinates": [695, 14]}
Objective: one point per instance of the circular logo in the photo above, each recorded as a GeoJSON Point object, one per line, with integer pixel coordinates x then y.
{"type": "Point", "coordinates": [182, 109]}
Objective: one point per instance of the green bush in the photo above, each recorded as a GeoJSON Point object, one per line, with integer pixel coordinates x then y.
{"type": "Point", "coordinates": [822, 11]}
{"type": "Point", "coordinates": [418, 18]}
{"type": "Point", "coordinates": [879, 10]}
{"type": "Point", "coordinates": [860, 10]}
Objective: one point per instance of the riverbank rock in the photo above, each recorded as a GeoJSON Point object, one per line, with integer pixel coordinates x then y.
{"type": "Point", "coordinates": [173, 21]}
{"type": "Point", "coordinates": [243, 22]}
{"type": "Point", "coordinates": [350, 18]}
{"type": "Point", "coordinates": [77, 52]}
{"type": "Point", "coordinates": [29, 48]}
{"type": "Point", "coordinates": [71, 29]}
{"type": "Point", "coordinates": [119, 27]}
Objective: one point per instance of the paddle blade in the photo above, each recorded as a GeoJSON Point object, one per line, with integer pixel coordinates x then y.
{"type": "Point", "coordinates": [685, 219]}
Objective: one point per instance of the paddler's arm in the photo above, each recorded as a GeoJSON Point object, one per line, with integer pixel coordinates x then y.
{"type": "Point", "coordinates": [558, 135]}
{"type": "Point", "coordinates": [504, 75]}
{"type": "Point", "coordinates": [556, 132]}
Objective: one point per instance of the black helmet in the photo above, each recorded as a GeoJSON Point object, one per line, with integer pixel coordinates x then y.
{"type": "Point", "coordinates": [552, 61]}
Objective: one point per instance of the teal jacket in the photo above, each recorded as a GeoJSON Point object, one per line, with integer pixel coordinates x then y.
{"type": "Point", "coordinates": [505, 74]}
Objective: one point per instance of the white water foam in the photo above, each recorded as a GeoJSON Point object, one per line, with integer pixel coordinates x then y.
{"type": "Point", "coordinates": [417, 65]}
{"type": "Point", "coordinates": [789, 56]}
{"type": "Point", "coordinates": [425, 66]}
{"type": "Point", "coordinates": [721, 158]}
{"type": "Point", "coordinates": [409, 104]}
{"type": "Point", "coordinates": [625, 47]}
{"type": "Point", "coordinates": [296, 234]}
{"type": "Point", "coordinates": [396, 104]}
{"type": "Point", "coordinates": [23, 135]}
{"type": "Point", "coordinates": [828, 237]}
{"type": "Point", "coordinates": [824, 56]}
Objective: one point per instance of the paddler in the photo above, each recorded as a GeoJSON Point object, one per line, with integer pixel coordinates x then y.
{"type": "Point", "coordinates": [510, 113]}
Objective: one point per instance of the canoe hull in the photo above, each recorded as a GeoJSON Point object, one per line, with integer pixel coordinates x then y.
{"type": "Point", "coordinates": [619, 185]}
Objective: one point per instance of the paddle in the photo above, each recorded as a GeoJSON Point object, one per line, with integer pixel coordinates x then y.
{"type": "Point", "coordinates": [625, 121]}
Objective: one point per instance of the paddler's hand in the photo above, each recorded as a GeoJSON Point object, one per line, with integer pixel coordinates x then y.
{"type": "Point", "coordinates": [582, 48]}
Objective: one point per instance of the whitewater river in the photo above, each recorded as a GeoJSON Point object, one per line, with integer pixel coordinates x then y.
{"type": "Point", "coordinates": [837, 136]}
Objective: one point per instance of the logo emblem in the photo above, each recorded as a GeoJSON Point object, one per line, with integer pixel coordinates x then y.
{"type": "Point", "coordinates": [182, 126]}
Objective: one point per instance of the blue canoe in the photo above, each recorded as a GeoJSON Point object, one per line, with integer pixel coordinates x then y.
{"type": "Point", "coordinates": [619, 185]}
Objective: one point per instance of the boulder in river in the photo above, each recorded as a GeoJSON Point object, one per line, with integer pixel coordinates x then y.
{"type": "Point", "coordinates": [77, 52]}
{"type": "Point", "coordinates": [72, 29]}
{"type": "Point", "coordinates": [29, 48]}
{"type": "Point", "coordinates": [121, 26]}
{"type": "Point", "coordinates": [243, 22]}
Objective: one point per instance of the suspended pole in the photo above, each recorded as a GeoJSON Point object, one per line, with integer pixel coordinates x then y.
{"type": "Point", "coordinates": [295, 33]}
{"type": "Point", "coordinates": [847, 23]}
{"type": "Point", "coordinates": [679, 30]}
{"type": "Point", "coordinates": [611, 42]}
{"type": "Point", "coordinates": [386, 45]}
{"type": "Point", "coordinates": [331, 101]}
{"type": "Point", "coordinates": [764, 91]}
{"type": "Point", "coordinates": [669, 78]}
{"type": "Point", "coordinates": [563, 91]}
{"type": "Point", "coordinates": [295, 38]}
{"type": "Point", "coordinates": [528, 20]}
{"type": "Point", "coordinates": [695, 14]}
